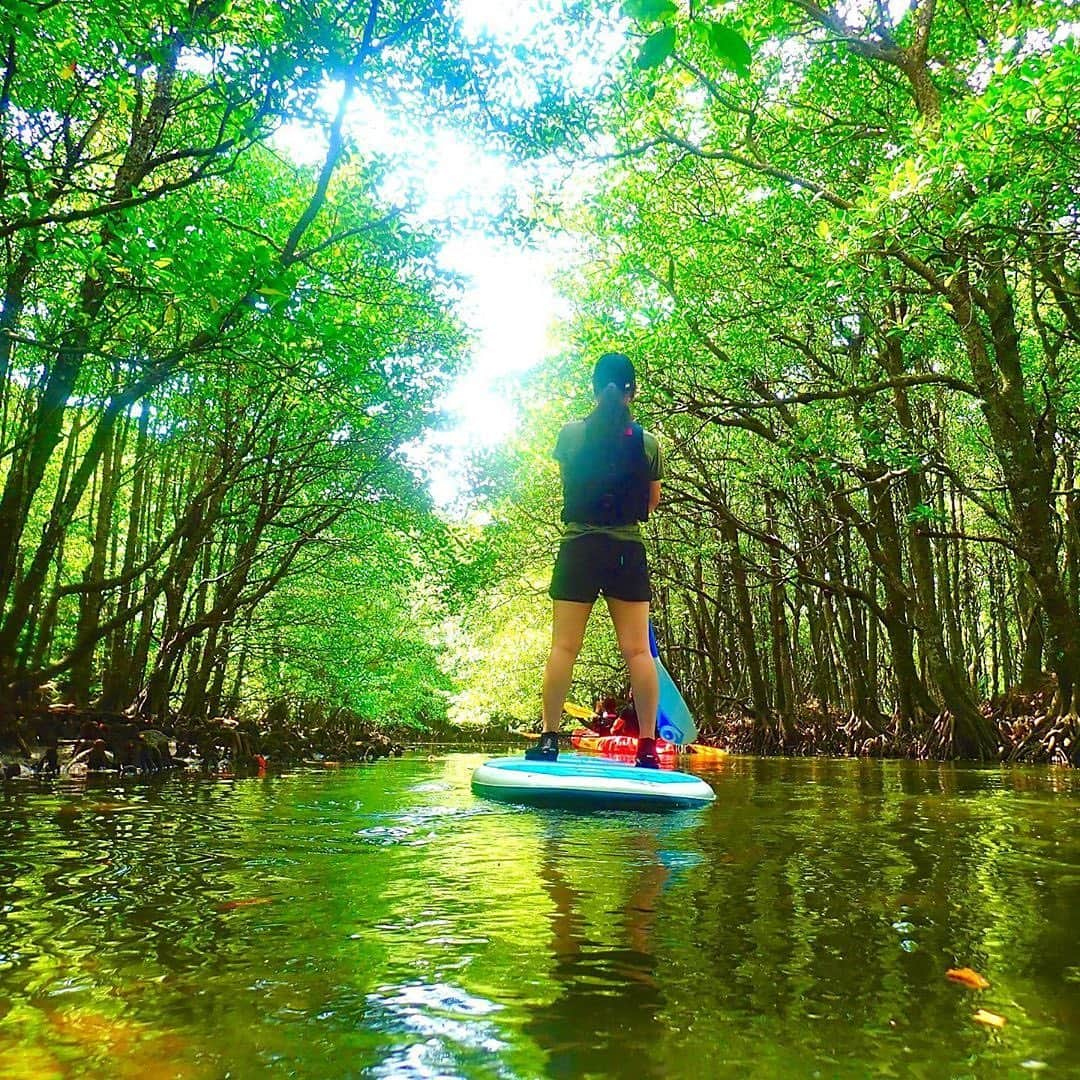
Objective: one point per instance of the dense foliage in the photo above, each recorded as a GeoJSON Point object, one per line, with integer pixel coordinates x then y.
{"type": "Point", "coordinates": [843, 247]}
{"type": "Point", "coordinates": [213, 359]}
{"type": "Point", "coordinates": [840, 240]}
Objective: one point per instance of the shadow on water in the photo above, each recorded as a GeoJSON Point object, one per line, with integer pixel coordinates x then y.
{"type": "Point", "coordinates": [385, 922]}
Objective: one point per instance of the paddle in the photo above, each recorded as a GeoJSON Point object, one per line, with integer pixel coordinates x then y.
{"type": "Point", "coordinates": [673, 719]}
{"type": "Point", "coordinates": [579, 712]}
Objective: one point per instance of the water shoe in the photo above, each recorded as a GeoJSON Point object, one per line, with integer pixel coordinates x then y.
{"type": "Point", "coordinates": [547, 749]}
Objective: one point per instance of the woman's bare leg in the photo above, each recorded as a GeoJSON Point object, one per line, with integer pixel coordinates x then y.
{"type": "Point", "coordinates": [631, 619]}
{"type": "Point", "coordinates": [568, 620]}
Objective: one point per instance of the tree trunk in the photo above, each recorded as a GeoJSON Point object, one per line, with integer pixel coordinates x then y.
{"type": "Point", "coordinates": [90, 602]}
{"type": "Point", "coordinates": [745, 625]}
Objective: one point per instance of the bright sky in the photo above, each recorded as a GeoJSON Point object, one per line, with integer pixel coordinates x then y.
{"type": "Point", "coordinates": [510, 304]}
{"type": "Point", "coordinates": [511, 307]}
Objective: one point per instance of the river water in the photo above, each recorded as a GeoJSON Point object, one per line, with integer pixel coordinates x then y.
{"type": "Point", "coordinates": [384, 922]}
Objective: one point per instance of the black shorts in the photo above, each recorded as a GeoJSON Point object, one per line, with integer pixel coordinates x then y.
{"type": "Point", "coordinates": [597, 563]}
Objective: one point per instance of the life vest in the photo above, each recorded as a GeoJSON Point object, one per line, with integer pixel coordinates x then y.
{"type": "Point", "coordinates": [606, 479]}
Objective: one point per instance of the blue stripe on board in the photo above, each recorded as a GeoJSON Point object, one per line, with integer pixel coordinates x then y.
{"type": "Point", "coordinates": [594, 800]}
{"type": "Point", "coordinates": [580, 765]}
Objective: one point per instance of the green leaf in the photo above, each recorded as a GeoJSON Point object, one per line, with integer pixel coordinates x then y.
{"type": "Point", "coordinates": [657, 48]}
{"type": "Point", "coordinates": [729, 47]}
{"type": "Point", "coordinates": [921, 513]}
{"type": "Point", "coordinates": [648, 10]}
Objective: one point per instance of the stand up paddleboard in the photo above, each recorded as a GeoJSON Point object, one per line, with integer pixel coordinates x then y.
{"type": "Point", "coordinates": [588, 783]}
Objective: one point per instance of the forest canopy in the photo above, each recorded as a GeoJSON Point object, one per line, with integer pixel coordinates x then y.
{"type": "Point", "coordinates": [840, 241]}
{"type": "Point", "coordinates": [213, 358]}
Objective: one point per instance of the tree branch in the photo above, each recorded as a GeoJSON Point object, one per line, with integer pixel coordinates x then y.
{"type": "Point", "coordinates": [866, 390]}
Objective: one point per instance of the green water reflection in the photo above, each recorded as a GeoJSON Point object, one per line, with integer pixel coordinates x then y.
{"type": "Point", "coordinates": [384, 922]}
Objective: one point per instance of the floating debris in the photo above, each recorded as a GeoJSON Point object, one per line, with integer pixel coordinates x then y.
{"type": "Point", "coordinates": [966, 977]}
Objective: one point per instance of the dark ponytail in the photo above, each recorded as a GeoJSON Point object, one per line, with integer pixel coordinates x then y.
{"type": "Point", "coordinates": [613, 379]}
{"type": "Point", "coordinates": [611, 414]}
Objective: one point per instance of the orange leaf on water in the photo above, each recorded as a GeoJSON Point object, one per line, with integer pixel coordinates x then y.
{"type": "Point", "coordinates": [971, 979]}
{"type": "Point", "coordinates": [989, 1018]}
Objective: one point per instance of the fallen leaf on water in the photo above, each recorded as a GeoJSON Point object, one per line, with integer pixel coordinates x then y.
{"type": "Point", "coordinates": [967, 977]}
{"type": "Point", "coordinates": [989, 1018]}
{"type": "Point", "coordinates": [231, 905]}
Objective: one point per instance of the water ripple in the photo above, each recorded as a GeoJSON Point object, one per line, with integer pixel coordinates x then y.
{"type": "Point", "coordinates": [386, 922]}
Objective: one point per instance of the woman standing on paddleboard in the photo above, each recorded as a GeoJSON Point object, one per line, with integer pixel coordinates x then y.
{"type": "Point", "coordinates": [611, 471]}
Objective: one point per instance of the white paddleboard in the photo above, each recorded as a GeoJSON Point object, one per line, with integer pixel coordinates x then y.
{"type": "Point", "coordinates": [590, 782]}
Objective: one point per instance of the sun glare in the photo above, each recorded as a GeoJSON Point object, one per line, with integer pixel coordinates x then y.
{"type": "Point", "coordinates": [500, 19]}
{"type": "Point", "coordinates": [510, 307]}
{"type": "Point", "coordinates": [445, 182]}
